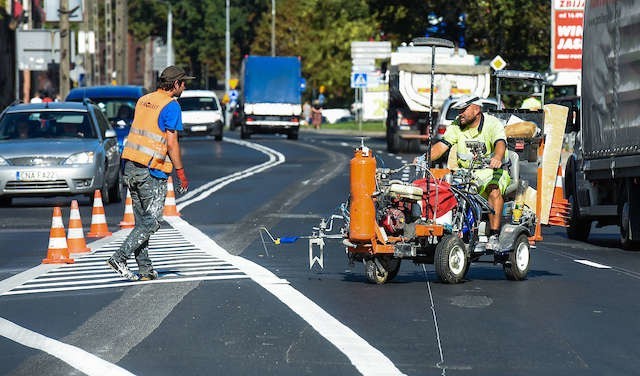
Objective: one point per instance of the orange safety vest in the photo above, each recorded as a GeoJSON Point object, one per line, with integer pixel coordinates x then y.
{"type": "Point", "coordinates": [146, 143]}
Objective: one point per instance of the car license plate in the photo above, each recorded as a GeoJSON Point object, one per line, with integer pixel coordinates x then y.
{"type": "Point", "coordinates": [199, 128]}
{"type": "Point", "coordinates": [35, 175]}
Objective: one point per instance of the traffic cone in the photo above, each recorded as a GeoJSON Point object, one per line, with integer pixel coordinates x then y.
{"type": "Point", "coordinates": [560, 208]}
{"type": "Point", "coordinates": [75, 237]}
{"type": "Point", "coordinates": [58, 253]}
{"type": "Point", "coordinates": [170, 208]}
{"type": "Point", "coordinates": [129, 220]}
{"type": "Point", "coordinates": [98, 220]}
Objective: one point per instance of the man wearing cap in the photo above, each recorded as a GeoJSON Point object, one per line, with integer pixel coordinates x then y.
{"type": "Point", "coordinates": [472, 124]}
{"type": "Point", "coordinates": [150, 154]}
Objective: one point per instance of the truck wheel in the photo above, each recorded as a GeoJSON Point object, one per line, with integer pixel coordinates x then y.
{"type": "Point", "coordinates": [628, 219]}
{"type": "Point", "coordinates": [451, 259]}
{"type": "Point", "coordinates": [517, 267]}
{"type": "Point", "coordinates": [395, 145]}
{"type": "Point", "coordinates": [244, 133]}
{"type": "Point", "coordinates": [579, 228]}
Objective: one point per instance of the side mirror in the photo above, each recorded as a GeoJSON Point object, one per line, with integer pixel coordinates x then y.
{"type": "Point", "coordinates": [109, 133]}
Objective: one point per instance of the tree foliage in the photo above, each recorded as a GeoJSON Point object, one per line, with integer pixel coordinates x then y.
{"type": "Point", "coordinates": [321, 32]}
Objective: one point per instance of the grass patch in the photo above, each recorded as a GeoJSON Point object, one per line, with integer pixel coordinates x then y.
{"type": "Point", "coordinates": [367, 126]}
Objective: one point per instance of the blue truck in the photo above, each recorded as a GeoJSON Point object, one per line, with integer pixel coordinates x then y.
{"type": "Point", "coordinates": [270, 99]}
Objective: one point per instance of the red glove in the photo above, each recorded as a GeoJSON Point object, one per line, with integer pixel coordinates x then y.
{"type": "Point", "coordinates": [182, 180]}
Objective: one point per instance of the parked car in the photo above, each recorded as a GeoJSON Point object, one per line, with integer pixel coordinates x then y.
{"type": "Point", "coordinates": [117, 102]}
{"type": "Point", "coordinates": [53, 149]}
{"type": "Point", "coordinates": [448, 114]}
{"type": "Point", "coordinates": [201, 113]}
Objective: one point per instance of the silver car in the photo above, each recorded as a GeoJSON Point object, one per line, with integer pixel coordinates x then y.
{"type": "Point", "coordinates": [52, 149]}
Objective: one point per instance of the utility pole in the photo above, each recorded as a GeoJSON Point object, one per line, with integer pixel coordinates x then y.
{"type": "Point", "coordinates": [64, 48]}
{"type": "Point", "coordinates": [108, 41]}
{"type": "Point", "coordinates": [95, 26]}
{"type": "Point", "coordinates": [273, 27]}
{"type": "Point", "coordinates": [121, 42]}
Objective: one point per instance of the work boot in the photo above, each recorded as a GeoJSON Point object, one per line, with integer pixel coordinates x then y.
{"type": "Point", "coordinates": [122, 269]}
{"type": "Point", "coordinates": [493, 243]}
{"type": "Point", "coordinates": [149, 276]}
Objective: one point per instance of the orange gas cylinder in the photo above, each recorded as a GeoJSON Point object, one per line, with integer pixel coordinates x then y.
{"type": "Point", "coordinates": [363, 184]}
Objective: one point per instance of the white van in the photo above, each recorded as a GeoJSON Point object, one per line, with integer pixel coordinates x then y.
{"type": "Point", "coordinates": [201, 113]}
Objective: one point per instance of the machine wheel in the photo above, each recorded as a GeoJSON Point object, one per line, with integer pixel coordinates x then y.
{"type": "Point", "coordinates": [379, 270]}
{"type": "Point", "coordinates": [393, 266]}
{"type": "Point", "coordinates": [451, 259]}
{"type": "Point", "coordinates": [244, 133]}
{"type": "Point", "coordinates": [517, 267]}
{"type": "Point", "coordinates": [115, 192]}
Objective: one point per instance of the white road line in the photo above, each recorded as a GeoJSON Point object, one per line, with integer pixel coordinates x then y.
{"type": "Point", "coordinates": [366, 358]}
{"type": "Point", "coordinates": [74, 356]}
{"type": "Point", "coordinates": [593, 264]}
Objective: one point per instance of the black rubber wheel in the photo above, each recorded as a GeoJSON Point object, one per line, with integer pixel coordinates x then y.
{"type": "Point", "coordinates": [115, 192]}
{"type": "Point", "coordinates": [293, 134]}
{"type": "Point", "coordinates": [517, 267]}
{"type": "Point", "coordinates": [5, 201]}
{"type": "Point", "coordinates": [579, 228]}
{"type": "Point", "coordinates": [393, 266]}
{"type": "Point", "coordinates": [218, 137]}
{"type": "Point", "coordinates": [375, 273]}
{"type": "Point", "coordinates": [244, 133]}
{"type": "Point", "coordinates": [451, 259]}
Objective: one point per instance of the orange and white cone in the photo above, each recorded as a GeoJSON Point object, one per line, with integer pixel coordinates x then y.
{"type": "Point", "coordinates": [98, 220]}
{"type": "Point", "coordinates": [58, 253]}
{"type": "Point", "coordinates": [75, 236]}
{"type": "Point", "coordinates": [560, 208]}
{"type": "Point", "coordinates": [170, 208]}
{"type": "Point", "coordinates": [128, 220]}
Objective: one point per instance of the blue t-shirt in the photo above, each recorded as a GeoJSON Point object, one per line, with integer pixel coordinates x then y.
{"type": "Point", "coordinates": [170, 119]}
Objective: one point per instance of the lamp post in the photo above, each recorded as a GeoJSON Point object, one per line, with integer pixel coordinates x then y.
{"type": "Point", "coordinates": [227, 60]}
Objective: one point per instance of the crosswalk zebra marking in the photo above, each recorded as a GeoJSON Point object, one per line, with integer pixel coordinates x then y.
{"type": "Point", "coordinates": [175, 258]}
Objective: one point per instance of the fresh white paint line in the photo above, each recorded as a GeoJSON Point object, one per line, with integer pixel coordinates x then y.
{"type": "Point", "coordinates": [593, 264]}
{"type": "Point", "coordinates": [366, 358]}
{"type": "Point", "coordinates": [74, 356]}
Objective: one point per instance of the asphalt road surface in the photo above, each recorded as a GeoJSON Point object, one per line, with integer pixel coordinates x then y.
{"type": "Point", "coordinates": [230, 301]}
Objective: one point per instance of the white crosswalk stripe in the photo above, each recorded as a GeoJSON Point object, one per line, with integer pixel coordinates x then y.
{"type": "Point", "coordinates": [175, 258]}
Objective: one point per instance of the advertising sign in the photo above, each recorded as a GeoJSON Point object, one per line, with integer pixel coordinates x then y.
{"type": "Point", "coordinates": [566, 35]}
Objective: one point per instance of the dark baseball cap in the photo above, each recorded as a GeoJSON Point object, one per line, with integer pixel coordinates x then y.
{"type": "Point", "coordinates": [173, 73]}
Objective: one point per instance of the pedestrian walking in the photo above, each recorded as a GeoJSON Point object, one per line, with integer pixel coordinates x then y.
{"type": "Point", "coordinates": [306, 113]}
{"type": "Point", "coordinates": [151, 152]}
{"type": "Point", "coordinates": [316, 114]}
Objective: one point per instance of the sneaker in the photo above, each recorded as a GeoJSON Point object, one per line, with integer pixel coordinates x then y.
{"type": "Point", "coordinates": [493, 243]}
{"type": "Point", "coordinates": [122, 269]}
{"type": "Point", "coordinates": [149, 276]}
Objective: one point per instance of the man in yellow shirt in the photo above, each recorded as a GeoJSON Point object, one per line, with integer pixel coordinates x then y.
{"type": "Point", "coordinates": [472, 124]}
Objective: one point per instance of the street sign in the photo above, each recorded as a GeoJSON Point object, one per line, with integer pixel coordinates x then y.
{"type": "Point", "coordinates": [498, 63]}
{"type": "Point", "coordinates": [370, 50]}
{"type": "Point", "coordinates": [358, 80]}
{"type": "Point", "coordinates": [37, 48]}
{"type": "Point", "coordinates": [51, 8]}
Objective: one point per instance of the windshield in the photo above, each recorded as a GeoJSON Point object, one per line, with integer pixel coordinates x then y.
{"type": "Point", "coordinates": [198, 104]}
{"type": "Point", "coordinates": [117, 108]}
{"type": "Point", "coordinates": [453, 113]}
{"type": "Point", "coordinates": [46, 124]}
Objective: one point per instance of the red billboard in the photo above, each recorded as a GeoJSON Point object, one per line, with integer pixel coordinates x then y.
{"type": "Point", "coordinates": [566, 35]}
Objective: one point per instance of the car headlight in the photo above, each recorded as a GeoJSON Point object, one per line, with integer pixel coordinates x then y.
{"type": "Point", "coordinates": [3, 162]}
{"type": "Point", "coordinates": [85, 157]}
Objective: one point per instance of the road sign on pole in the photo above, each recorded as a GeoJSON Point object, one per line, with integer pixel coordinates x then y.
{"type": "Point", "coordinates": [498, 63]}
{"type": "Point", "coordinates": [358, 80]}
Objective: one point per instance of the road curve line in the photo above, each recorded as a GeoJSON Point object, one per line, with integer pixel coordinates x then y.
{"type": "Point", "coordinates": [204, 191]}
{"type": "Point", "coordinates": [592, 264]}
{"type": "Point", "coordinates": [74, 356]}
{"type": "Point", "coordinates": [366, 358]}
